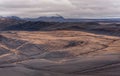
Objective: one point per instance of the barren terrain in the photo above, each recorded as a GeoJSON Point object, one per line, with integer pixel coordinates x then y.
{"type": "Point", "coordinates": [59, 53]}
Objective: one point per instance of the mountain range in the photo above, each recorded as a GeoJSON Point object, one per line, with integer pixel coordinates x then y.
{"type": "Point", "coordinates": [62, 19]}
{"type": "Point", "coordinates": [14, 23]}
{"type": "Point", "coordinates": [55, 46]}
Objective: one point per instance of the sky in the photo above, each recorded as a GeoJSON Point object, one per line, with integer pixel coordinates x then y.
{"type": "Point", "coordinates": [66, 8]}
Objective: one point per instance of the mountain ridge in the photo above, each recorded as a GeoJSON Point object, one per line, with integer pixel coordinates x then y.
{"type": "Point", "coordinates": [62, 19]}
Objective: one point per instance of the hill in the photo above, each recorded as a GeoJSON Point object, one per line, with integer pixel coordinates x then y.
{"type": "Point", "coordinates": [93, 27]}
{"type": "Point", "coordinates": [56, 53]}
{"type": "Point", "coordinates": [37, 48]}
{"type": "Point", "coordinates": [5, 22]}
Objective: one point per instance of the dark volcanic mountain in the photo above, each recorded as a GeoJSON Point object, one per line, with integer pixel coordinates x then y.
{"type": "Point", "coordinates": [94, 27]}
{"type": "Point", "coordinates": [47, 19]}
{"type": "Point", "coordinates": [9, 21]}
{"type": "Point", "coordinates": [62, 19]}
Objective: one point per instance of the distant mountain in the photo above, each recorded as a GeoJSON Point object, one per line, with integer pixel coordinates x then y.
{"type": "Point", "coordinates": [30, 26]}
{"type": "Point", "coordinates": [95, 27]}
{"type": "Point", "coordinates": [47, 26]}
{"type": "Point", "coordinates": [14, 17]}
{"type": "Point", "coordinates": [11, 17]}
{"type": "Point", "coordinates": [62, 19]}
{"type": "Point", "coordinates": [59, 23]}
{"type": "Point", "coordinates": [47, 19]}
{"type": "Point", "coordinates": [9, 21]}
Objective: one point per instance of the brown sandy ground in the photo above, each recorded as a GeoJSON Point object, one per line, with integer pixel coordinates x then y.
{"type": "Point", "coordinates": [58, 53]}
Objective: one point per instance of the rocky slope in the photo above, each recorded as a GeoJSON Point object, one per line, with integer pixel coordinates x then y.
{"type": "Point", "coordinates": [58, 53]}
{"type": "Point", "coordinates": [93, 27]}
{"type": "Point", "coordinates": [7, 22]}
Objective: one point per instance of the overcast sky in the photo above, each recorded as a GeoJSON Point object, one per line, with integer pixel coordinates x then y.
{"type": "Point", "coordinates": [66, 8]}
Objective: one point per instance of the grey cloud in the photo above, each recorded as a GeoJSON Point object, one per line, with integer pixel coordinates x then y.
{"type": "Point", "coordinates": [66, 8]}
{"type": "Point", "coordinates": [35, 8]}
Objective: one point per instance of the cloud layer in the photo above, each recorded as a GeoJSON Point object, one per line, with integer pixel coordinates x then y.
{"type": "Point", "coordinates": [66, 8]}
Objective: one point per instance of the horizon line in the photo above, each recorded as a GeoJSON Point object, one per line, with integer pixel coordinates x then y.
{"type": "Point", "coordinates": [62, 17]}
